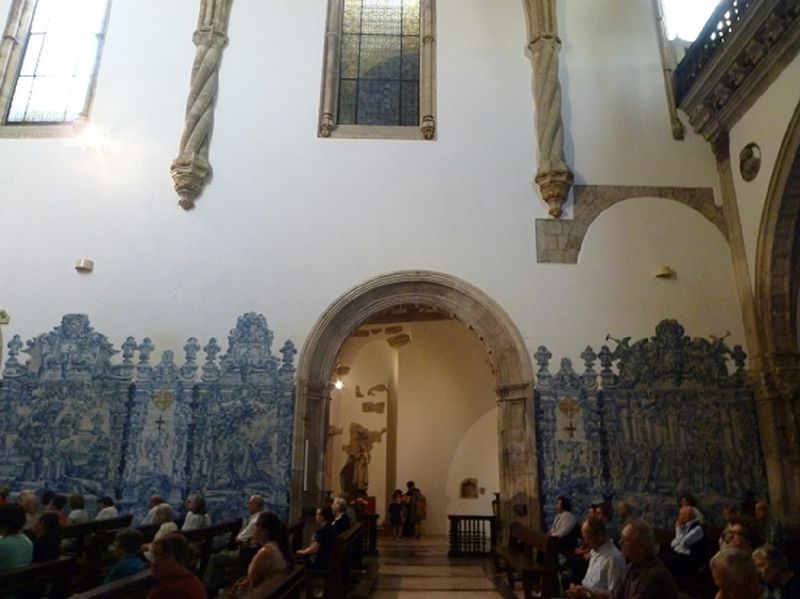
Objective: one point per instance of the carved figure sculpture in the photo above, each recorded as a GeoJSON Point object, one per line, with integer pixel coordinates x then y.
{"type": "Point", "coordinates": [354, 476]}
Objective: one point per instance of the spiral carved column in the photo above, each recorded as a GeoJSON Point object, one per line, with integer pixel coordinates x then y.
{"type": "Point", "coordinates": [553, 176]}
{"type": "Point", "coordinates": [191, 168]}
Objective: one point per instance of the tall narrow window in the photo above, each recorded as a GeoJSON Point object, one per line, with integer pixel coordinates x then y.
{"type": "Point", "coordinates": [51, 50]}
{"type": "Point", "coordinates": [379, 69]}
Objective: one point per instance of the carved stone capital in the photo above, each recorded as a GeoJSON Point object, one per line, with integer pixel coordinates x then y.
{"type": "Point", "coordinates": [428, 127]}
{"type": "Point", "coordinates": [554, 185]}
{"type": "Point", "coordinates": [189, 175]}
{"type": "Point", "coordinates": [326, 124]}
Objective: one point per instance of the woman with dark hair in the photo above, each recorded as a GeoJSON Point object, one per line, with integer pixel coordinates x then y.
{"type": "Point", "coordinates": [273, 556]}
{"type": "Point", "coordinates": [16, 549]}
{"type": "Point", "coordinates": [171, 556]}
{"type": "Point", "coordinates": [46, 537]}
{"type": "Point", "coordinates": [196, 516]}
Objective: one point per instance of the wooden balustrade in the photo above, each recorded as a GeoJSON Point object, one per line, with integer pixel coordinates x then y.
{"type": "Point", "coordinates": [472, 535]}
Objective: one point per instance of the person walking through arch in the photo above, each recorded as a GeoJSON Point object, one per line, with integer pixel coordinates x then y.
{"type": "Point", "coordinates": [415, 510]}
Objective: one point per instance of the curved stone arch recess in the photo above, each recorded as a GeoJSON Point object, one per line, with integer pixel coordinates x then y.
{"type": "Point", "coordinates": [560, 241]}
{"type": "Point", "coordinates": [778, 252]}
{"type": "Point", "coordinates": [508, 357]}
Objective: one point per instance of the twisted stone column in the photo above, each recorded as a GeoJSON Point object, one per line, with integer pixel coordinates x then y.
{"type": "Point", "coordinates": [553, 176]}
{"type": "Point", "coordinates": [191, 168]}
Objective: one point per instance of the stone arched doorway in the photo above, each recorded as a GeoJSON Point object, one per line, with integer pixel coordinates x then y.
{"type": "Point", "coordinates": [776, 371]}
{"type": "Point", "coordinates": [508, 356]}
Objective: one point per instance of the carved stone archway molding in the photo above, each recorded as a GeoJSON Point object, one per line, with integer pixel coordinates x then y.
{"type": "Point", "coordinates": [191, 168]}
{"type": "Point", "coordinates": [508, 356]}
{"type": "Point", "coordinates": [776, 372]}
{"type": "Point", "coordinates": [553, 176]}
{"type": "Point", "coordinates": [560, 241]}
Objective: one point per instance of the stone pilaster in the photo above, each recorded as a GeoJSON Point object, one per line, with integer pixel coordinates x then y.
{"type": "Point", "coordinates": [775, 379]}
{"type": "Point", "coordinates": [191, 168]}
{"type": "Point", "coordinates": [553, 176]}
{"type": "Point", "coordinates": [519, 486]}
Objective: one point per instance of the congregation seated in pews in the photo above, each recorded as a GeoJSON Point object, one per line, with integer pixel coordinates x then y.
{"type": "Point", "coordinates": [693, 560]}
{"type": "Point", "coordinates": [105, 557]}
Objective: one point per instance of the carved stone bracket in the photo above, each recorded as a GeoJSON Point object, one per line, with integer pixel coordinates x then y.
{"type": "Point", "coordinates": [190, 170]}
{"type": "Point", "coordinates": [553, 176]}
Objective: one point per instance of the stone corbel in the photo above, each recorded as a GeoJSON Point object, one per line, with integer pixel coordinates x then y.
{"type": "Point", "coordinates": [553, 176]}
{"type": "Point", "coordinates": [190, 170]}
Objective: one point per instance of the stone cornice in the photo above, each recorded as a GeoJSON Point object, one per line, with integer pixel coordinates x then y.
{"type": "Point", "coordinates": [720, 79]}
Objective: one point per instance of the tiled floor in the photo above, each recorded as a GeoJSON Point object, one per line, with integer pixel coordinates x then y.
{"type": "Point", "coordinates": [418, 569]}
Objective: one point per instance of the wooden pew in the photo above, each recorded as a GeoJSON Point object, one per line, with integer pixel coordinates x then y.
{"type": "Point", "coordinates": [31, 582]}
{"type": "Point", "coordinates": [295, 534]}
{"type": "Point", "coordinates": [285, 585]}
{"type": "Point", "coordinates": [136, 586]}
{"type": "Point", "coordinates": [204, 538]}
{"type": "Point", "coordinates": [532, 555]}
{"type": "Point", "coordinates": [81, 532]}
{"type": "Point", "coordinates": [343, 556]}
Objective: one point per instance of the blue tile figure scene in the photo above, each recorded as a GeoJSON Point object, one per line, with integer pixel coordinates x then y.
{"type": "Point", "coordinates": [81, 416]}
{"type": "Point", "coordinates": [664, 415]}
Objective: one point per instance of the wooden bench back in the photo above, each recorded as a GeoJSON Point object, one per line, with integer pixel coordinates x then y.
{"type": "Point", "coordinates": [540, 547]}
{"type": "Point", "coordinates": [205, 538]}
{"type": "Point", "coordinates": [136, 586]}
{"type": "Point", "coordinates": [284, 585]}
{"type": "Point", "coordinates": [342, 557]}
{"type": "Point", "coordinates": [295, 534]}
{"type": "Point", "coordinates": [31, 582]}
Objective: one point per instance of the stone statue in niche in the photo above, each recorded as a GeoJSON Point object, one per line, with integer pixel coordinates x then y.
{"type": "Point", "coordinates": [354, 476]}
{"type": "Point", "coordinates": [469, 488]}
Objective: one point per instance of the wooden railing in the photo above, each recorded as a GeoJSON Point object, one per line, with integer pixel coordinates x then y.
{"type": "Point", "coordinates": [472, 535]}
{"type": "Point", "coordinates": [370, 545]}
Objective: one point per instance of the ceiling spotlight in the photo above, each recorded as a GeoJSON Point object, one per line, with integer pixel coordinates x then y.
{"type": "Point", "coordinates": [339, 384]}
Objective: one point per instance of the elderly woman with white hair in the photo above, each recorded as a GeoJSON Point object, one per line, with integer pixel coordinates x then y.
{"type": "Point", "coordinates": [163, 516]}
{"type": "Point", "coordinates": [773, 568]}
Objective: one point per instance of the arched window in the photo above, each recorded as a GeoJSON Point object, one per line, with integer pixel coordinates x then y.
{"type": "Point", "coordinates": [379, 63]}
{"type": "Point", "coordinates": [49, 56]}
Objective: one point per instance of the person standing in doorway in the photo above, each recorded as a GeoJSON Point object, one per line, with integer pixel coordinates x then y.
{"type": "Point", "coordinates": [415, 510]}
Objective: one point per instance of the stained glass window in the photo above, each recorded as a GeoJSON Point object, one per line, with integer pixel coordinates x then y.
{"type": "Point", "coordinates": [57, 71]}
{"type": "Point", "coordinates": [379, 69]}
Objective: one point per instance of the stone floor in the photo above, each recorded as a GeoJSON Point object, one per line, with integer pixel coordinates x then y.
{"type": "Point", "coordinates": [420, 568]}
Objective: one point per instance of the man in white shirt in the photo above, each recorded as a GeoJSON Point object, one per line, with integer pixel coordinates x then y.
{"type": "Point", "coordinates": [684, 555]}
{"type": "Point", "coordinates": [152, 505]}
{"type": "Point", "coordinates": [565, 521]}
{"type": "Point", "coordinates": [606, 563]}
{"type": "Point", "coordinates": [107, 509]}
{"type": "Point", "coordinates": [248, 547]}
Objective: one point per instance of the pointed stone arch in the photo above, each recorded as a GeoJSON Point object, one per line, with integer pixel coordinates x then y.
{"type": "Point", "coordinates": [775, 372]}
{"type": "Point", "coordinates": [508, 357]}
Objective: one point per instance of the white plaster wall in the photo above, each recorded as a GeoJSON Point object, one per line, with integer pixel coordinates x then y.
{"type": "Point", "coordinates": [766, 124]}
{"type": "Point", "coordinates": [290, 221]}
{"type": "Point", "coordinates": [447, 420]}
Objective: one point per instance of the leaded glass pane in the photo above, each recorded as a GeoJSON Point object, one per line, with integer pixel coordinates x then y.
{"type": "Point", "coordinates": [20, 101]}
{"type": "Point", "coordinates": [379, 49]}
{"type": "Point", "coordinates": [347, 102]}
{"type": "Point", "coordinates": [409, 104]}
{"type": "Point", "coordinates": [32, 53]}
{"type": "Point", "coordinates": [381, 17]}
{"type": "Point", "coordinates": [411, 17]}
{"type": "Point", "coordinates": [348, 67]}
{"type": "Point", "coordinates": [379, 103]}
{"type": "Point", "coordinates": [59, 61]}
{"type": "Point", "coordinates": [351, 16]}
{"type": "Point", "coordinates": [410, 68]}
{"type": "Point", "coordinates": [380, 57]}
